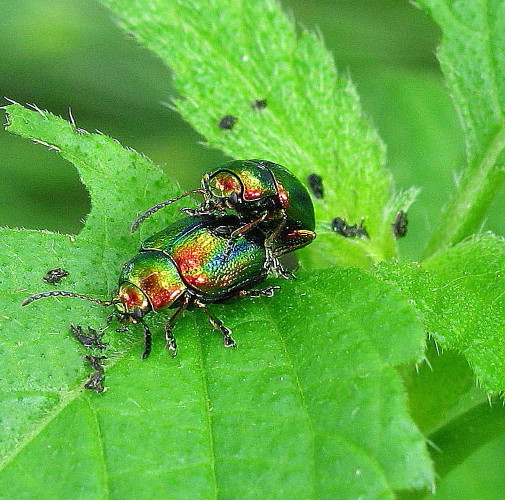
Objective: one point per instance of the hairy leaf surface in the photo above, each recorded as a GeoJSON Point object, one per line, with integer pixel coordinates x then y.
{"type": "Point", "coordinates": [460, 293]}
{"type": "Point", "coordinates": [473, 61]}
{"type": "Point", "coordinates": [225, 56]}
{"type": "Point", "coordinates": [309, 406]}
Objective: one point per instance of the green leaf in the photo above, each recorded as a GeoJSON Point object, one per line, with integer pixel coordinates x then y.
{"type": "Point", "coordinates": [461, 295]}
{"type": "Point", "coordinates": [227, 55]}
{"type": "Point", "coordinates": [475, 269]}
{"type": "Point", "coordinates": [473, 61]}
{"type": "Point", "coordinates": [440, 389]}
{"type": "Point", "coordinates": [309, 406]}
{"type": "Point", "coordinates": [480, 476]}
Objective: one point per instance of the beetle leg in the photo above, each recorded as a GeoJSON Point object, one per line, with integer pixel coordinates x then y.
{"type": "Point", "coordinates": [272, 264]}
{"type": "Point", "coordinates": [218, 325]}
{"type": "Point", "coordinates": [274, 234]}
{"type": "Point", "coordinates": [169, 336]}
{"type": "Point", "coordinates": [237, 233]}
{"type": "Point", "coordinates": [147, 340]}
{"type": "Point", "coordinates": [248, 227]}
{"type": "Point", "coordinates": [204, 209]}
{"type": "Point", "coordinates": [266, 292]}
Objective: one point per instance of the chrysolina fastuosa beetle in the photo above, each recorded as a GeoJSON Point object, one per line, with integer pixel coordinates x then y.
{"type": "Point", "coordinates": [264, 195]}
{"type": "Point", "coordinates": [188, 264]}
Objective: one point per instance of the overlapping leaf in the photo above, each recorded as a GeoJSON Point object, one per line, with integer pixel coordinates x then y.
{"type": "Point", "coordinates": [460, 293]}
{"type": "Point", "coordinates": [309, 405]}
{"type": "Point", "coordinates": [473, 61]}
{"type": "Point", "coordinates": [225, 56]}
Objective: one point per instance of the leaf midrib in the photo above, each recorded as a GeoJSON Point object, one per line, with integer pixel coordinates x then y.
{"type": "Point", "coordinates": [208, 416]}
{"type": "Point", "coordinates": [308, 417]}
{"type": "Point", "coordinates": [352, 444]}
{"type": "Point", "coordinates": [385, 364]}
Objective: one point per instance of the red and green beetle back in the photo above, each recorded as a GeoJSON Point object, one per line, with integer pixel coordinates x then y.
{"type": "Point", "coordinates": [204, 259]}
{"type": "Point", "coordinates": [245, 177]}
{"type": "Point", "coordinates": [259, 181]}
{"type": "Point", "coordinates": [294, 198]}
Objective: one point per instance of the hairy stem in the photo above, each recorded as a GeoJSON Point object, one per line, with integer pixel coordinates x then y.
{"type": "Point", "coordinates": [464, 435]}
{"type": "Point", "coordinates": [466, 211]}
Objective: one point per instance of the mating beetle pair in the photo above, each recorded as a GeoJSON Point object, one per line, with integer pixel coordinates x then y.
{"type": "Point", "coordinates": [263, 195]}
{"type": "Point", "coordinates": [212, 254]}
{"type": "Point", "coordinates": [185, 265]}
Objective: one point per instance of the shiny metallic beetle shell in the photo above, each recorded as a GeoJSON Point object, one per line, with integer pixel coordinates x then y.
{"type": "Point", "coordinates": [265, 197]}
{"type": "Point", "coordinates": [263, 185]}
{"type": "Point", "coordinates": [193, 256]}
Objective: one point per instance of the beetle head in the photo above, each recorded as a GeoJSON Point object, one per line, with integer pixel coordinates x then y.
{"type": "Point", "coordinates": [131, 304]}
{"type": "Point", "coordinates": [223, 189]}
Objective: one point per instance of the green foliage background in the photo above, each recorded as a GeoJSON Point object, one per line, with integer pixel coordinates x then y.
{"type": "Point", "coordinates": [68, 53]}
{"type": "Point", "coordinates": [61, 54]}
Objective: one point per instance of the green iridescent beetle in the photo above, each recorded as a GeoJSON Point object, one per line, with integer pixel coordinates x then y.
{"type": "Point", "coordinates": [188, 264]}
{"type": "Point", "coordinates": [265, 196]}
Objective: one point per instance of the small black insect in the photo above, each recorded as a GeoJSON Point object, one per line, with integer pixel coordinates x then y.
{"type": "Point", "coordinates": [90, 340]}
{"type": "Point", "coordinates": [341, 227]}
{"type": "Point", "coordinates": [227, 122]}
{"type": "Point", "coordinates": [54, 276]}
{"type": "Point", "coordinates": [259, 104]}
{"type": "Point", "coordinates": [95, 381]}
{"type": "Point", "coordinates": [316, 185]}
{"type": "Point", "coordinates": [400, 224]}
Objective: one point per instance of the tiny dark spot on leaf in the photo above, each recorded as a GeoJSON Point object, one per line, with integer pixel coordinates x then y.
{"type": "Point", "coordinates": [92, 339]}
{"type": "Point", "coordinates": [316, 185]}
{"type": "Point", "coordinates": [227, 122]}
{"type": "Point", "coordinates": [95, 381]}
{"type": "Point", "coordinates": [54, 276]}
{"type": "Point", "coordinates": [259, 104]}
{"type": "Point", "coordinates": [400, 224]}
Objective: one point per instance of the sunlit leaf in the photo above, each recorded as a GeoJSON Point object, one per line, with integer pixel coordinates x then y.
{"type": "Point", "coordinates": [310, 405]}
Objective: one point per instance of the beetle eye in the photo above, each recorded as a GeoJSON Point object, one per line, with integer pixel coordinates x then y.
{"type": "Point", "coordinates": [233, 198]}
{"type": "Point", "coordinates": [137, 313]}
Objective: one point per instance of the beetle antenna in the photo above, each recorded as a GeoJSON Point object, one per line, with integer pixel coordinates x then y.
{"type": "Point", "coordinates": [159, 206]}
{"type": "Point", "coordinates": [60, 293]}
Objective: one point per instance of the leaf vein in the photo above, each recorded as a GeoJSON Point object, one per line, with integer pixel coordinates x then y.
{"type": "Point", "coordinates": [101, 454]}
{"type": "Point", "coordinates": [208, 415]}
{"type": "Point", "coordinates": [308, 416]}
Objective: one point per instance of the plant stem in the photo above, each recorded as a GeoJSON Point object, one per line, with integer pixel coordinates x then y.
{"type": "Point", "coordinates": [464, 435]}
{"type": "Point", "coordinates": [466, 211]}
